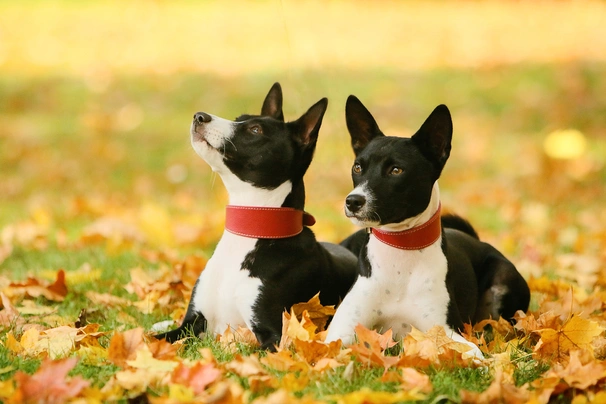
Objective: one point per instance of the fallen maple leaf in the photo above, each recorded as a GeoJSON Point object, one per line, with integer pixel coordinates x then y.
{"type": "Point", "coordinates": [318, 355]}
{"type": "Point", "coordinates": [318, 313]}
{"type": "Point", "coordinates": [292, 329]}
{"type": "Point", "coordinates": [581, 371]}
{"type": "Point", "coordinates": [196, 377]}
{"type": "Point", "coordinates": [576, 333]}
{"type": "Point", "coordinates": [123, 346]}
{"type": "Point", "coordinates": [371, 345]}
{"type": "Point", "coordinates": [9, 315]}
{"type": "Point", "coordinates": [230, 339]}
{"type": "Point", "coordinates": [49, 384]}
{"type": "Point", "coordinates": [433, 347]}
{"type": "Point", "coordinates": [35, 288]}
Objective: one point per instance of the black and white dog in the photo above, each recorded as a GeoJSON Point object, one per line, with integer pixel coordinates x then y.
{"type": "Point", "coordinates": [267, 258]}
{"type": "Point", "coordinates": [412, 269]}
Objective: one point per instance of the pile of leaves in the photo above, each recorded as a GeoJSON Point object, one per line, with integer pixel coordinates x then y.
{"type": "Point", "coordinates": [554, 350]}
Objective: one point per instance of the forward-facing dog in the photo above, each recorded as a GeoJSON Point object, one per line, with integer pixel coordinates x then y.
{"type": "Point", "coordinates": [414, 271]}
{"type": "Point", "coordinates": [267, 258]}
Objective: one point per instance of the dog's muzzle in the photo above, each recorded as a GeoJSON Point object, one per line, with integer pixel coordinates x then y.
{"type": "Point", "coordinates": [353, 203]}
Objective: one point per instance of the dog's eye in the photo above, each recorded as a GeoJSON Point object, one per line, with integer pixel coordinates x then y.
{"type": "Point", "coordinates": [255, 130]}
{"type": "Point", "coordinates": [396, 171]}
{"type": "Point", "coordinates": [357, 168]}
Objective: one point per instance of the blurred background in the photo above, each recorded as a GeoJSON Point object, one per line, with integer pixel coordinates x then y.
{"type": "Point", "coordinates": [96, 99]}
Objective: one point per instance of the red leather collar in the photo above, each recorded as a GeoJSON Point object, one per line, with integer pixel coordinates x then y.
{"type": "Point", "coordinates": [416, 238]}
{"type": "Point", "coordinates": [264, 222]}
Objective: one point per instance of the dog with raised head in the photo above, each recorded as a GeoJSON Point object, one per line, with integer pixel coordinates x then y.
{"type": "Point", "coordinates": [414, 270]}
{"type": "Point", "coordinates": [267, 258]}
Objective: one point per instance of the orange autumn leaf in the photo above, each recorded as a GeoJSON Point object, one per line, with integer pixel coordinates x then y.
{"type": "Point", "coordinates": [123, 346]}
{"type": "Point", "coordinates": [34, 288]}
{"type": "Point", "coordinates": [581, 372]}
{"type": "Point", "coordinates": [318, 355]}
{"type": "Point", "coordinates": [50, 384]}
{"type": "Point", "coordinates": [433, 347]}
{"type": "Point", "coordinates": [318, 313]}
{"type": "Point", "coordinates": [162, 349]}
{"type": "Point", "coordinates": [197, 377]}
{"type": "Point", "coordinates": [576, 333]}
{"type": "Point", "coordinates": [371, 345]}
{"type": "Point", "coordinates": [293, 329]}
{"type": "Point", "coordinates": [230, 339]}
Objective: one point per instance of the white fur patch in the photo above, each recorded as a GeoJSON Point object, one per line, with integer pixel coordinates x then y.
{"type": "Point", "coordinates": [226, 293]}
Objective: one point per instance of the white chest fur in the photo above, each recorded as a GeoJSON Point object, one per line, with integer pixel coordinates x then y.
{"type": "Point", "coordinates": [226, 293]}
{"type": "Point", "coordinates": [406, 287]}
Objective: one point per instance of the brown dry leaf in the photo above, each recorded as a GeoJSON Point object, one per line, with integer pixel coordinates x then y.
{"type": "Point", "coordinates": [283, 361]}
{"type": "Point", "coordinates": [318, 355]}
{"type": "Point", "coordinates": [9, 316]}
{"type": "Point", "coordinates": [230, 339]}
{"type": "Point", "coordinates": [56, 342]}
{"type": "Point", "coordinates": [246, 366]}
{"type": "Point", "coordinates": [318, 313]}
{"type": "Point", "coordinates": [371, 345]}
{"type": "Point", "coordinates": [123, 346]}
{"type": "Point", "coordinates": [581, 372]}
{"type": "Point", "coordinates": [146, 361]}
{"type": "Point", "coordinates": [499, 391]}
{"type": "Point", "coordinates": [50, 384]}
{"type": "Point", "coordinates": [293, 329]}
{"type": "Point", "coordinates": [162, 349]}
{"type": "Point", "coordinates": [196, 377]}
{"type": "Point", "coordinates": [576, 333]}
{"type": "Point", "coordinates": [410, 380]}
{"type": "Point", "coordinates": [105, 299]}
{"type": "Point", "coordinates": [433, 347]}
{"type": "Point", "coordinates": [34, 288]}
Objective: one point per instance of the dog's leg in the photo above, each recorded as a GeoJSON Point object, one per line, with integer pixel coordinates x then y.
{"type": "Point", "coordinates": [194, 322]}
{"type": "Point", "coordinates": [503, 291]}
{"type": "Point", "coordinates": [353, 310]}
{"type": "Point", "coordinates": [475, 351]}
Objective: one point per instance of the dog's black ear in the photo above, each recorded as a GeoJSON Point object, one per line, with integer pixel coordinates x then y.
{"type": "Point", "coordinates": [272, 106]}
{"type": "Point", "coordinates": [361, 125]}
{"type": "Point", "coordinates": [435, 136]}
{"type": "Point", "coordinates": [308, 125]}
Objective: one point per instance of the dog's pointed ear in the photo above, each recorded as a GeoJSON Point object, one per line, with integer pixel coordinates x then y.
{"type": "Point", "coordinates": [308, 125]}
{"type": "Point", "coordinates": [435, 136]}
{"type": "Point", "coordinates": [361, 124]}
{"type": "Point", "coordinates": [272, 105]}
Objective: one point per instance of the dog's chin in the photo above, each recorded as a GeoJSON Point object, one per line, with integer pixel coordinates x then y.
{"type": "Point", "coordinates": [208, 153]}
{"type": "Point", "coordinates": [361, 221]}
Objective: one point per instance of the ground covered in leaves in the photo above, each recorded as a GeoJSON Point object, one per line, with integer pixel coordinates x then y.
{"type": "Point", "coordinates": [107, 217]}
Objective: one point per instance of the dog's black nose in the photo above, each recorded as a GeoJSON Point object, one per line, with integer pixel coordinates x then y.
{"type": "Point", "coordinates": [355, 202]}
{"type": "Point", "coordinates": [202, 117]}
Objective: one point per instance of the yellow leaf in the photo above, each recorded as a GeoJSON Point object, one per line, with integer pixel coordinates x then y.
{"type": "Point", "coordinates": [12, 344]}
{"type": "Point", "coordinates": [180, 393]}
{"type": "Point", "coordinates": [145, 360]}
{"type": "Point", "coordinates": [576, 333]}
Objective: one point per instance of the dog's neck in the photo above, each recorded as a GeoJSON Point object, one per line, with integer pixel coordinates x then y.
{"type": "Point", "coordinates": [421, 218]}
{"type": "Point", "coordinates": [244, 194]}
